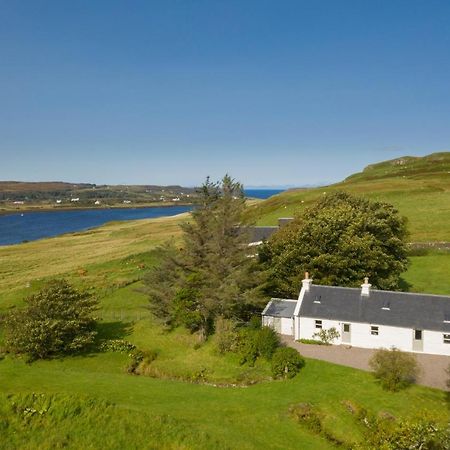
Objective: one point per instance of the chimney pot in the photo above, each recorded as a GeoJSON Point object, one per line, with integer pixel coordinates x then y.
{"type": "Point", "coordinates": [307, 282]}
{"type": "Point", "coordinates": [365, 287]}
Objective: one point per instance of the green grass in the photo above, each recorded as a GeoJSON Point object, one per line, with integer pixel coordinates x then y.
{"type": "Point", "coordinates": [94, 403]}
{"type": "Point", "coordinates": [420, 191]}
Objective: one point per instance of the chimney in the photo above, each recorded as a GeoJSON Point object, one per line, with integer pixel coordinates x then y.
{"type": "Point", "coordinates": [307, 282]}
{"type": "Point", "coordinates": [366, 287]}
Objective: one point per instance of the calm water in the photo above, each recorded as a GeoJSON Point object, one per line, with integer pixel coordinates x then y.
{"type": "Point", "coordinates": [262, 193]}
{"type": "Point", "coordinates": [29, 226]}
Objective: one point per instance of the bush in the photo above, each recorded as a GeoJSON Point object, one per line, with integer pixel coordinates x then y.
{"type": "Point", "coordinates": [305, 414]}
{"type": "Point", "coordinates": [416, 433]}
{"type": "Point", "coordinates": [394, 368]}
{"type": "Point", "coordinates": [58, 320]}
{"type": "Point", "coordinates": [286, 363]}
{"type": "Point", "coordinates": [225, 334]}
{"type": "Point", "coordinates": [255, 343]}
{"type": "Point", "coordinates": [326, 337]}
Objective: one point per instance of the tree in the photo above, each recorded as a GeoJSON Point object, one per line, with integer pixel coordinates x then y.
{"type": "Point", "coordinates": [211, 275]}
{"type": "Point", "coordinates": [340, 240]}
{"type": "Point", "coordinates": [395, 369]}
{"type": "Point", "coordinates": [57, 320]}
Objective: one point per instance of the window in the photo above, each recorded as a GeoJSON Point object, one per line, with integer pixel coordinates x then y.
{"type": "Point", "coordinates": [319, 324]}
{"type": "Point", "coordinates": [446, 338]}
{"type": "Point", "coordinates": [418, 335]}
{"type": "Point", "coordinates": [346, 328]}
{"type": "Point", "coordinates": [374, 331]}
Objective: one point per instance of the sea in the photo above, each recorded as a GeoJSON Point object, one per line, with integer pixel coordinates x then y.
{"type": "Point", "coordinates": [29, 226]}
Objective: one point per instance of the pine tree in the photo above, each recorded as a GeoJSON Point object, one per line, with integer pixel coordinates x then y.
{"type": "Point", "coordinates": [211, 274]}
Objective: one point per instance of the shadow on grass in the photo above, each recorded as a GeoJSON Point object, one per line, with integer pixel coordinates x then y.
{"type": "Point", "coordinates": [113, 330]}
{"type": "Point", "coordinates": [404, 285]}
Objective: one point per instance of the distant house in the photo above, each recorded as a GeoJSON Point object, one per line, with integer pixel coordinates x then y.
{"type": "Point", "coordinates": [97, 202]}
{"type": "Point", "coordinates": [58, 202]}
{"type": "Point", "coordinates": [127, 201]}
{"type": "Point", "coordinates": [260, 234]}
{"type": "Point", "coordinates": [366, 317]}
{"type": "Point", "coordinates": [18, 202]}
{"type": "Point", "coordinates": [75, 199]}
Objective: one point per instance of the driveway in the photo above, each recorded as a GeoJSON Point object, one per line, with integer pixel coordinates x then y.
{"type": "Point", "coordinates": [432, 366]}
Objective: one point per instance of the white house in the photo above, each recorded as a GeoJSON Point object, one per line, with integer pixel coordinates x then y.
{"type": "Point", "coordinates": [365, 317]}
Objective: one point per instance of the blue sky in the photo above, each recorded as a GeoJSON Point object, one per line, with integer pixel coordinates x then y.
{"type": "Point", "coordinates": [273, 92]}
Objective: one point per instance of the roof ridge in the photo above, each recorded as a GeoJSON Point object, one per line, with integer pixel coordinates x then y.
{"type": "Point", "coordinates": [385, 291]}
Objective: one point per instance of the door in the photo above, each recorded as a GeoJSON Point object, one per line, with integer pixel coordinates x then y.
{"type": "Point", "coordinates": [417, 341]}
{"type": "Point", "coordinates": [346, 333]}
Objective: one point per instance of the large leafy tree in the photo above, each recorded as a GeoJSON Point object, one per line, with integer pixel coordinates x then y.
{"type": "Point", "coordinates": [211, 273]}
{"type": "Point", "coordinates": [57, 320]}
{"type": "Point", "coordinates": [340, 240]}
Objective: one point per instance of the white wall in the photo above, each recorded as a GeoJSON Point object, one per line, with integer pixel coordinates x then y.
{"type": "Point", "coordinates": [401, 338]}
{"type": "Point", "coordinates": [287, 326]}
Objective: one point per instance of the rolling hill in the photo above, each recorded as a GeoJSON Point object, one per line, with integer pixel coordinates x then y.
{"type": "Point", "coordinates": [418, 186]}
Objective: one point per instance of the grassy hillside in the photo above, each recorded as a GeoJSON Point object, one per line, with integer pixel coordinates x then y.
{"type": "Point", "coordinates": [418, 187]}
{"type": "Point", "coordinates": [90, 401]}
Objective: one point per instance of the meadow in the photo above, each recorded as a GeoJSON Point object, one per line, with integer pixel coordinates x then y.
{"type": "Point", "coordinates": [191, 397]}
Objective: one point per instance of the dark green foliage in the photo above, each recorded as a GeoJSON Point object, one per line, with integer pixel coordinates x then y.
{"type": "Point", "coordinates": [395, 369]}
{"type": "Point", "coordinates": [58, 320]}
{"type": "Point", "coordinates": [286, 363]}
{"type": "Point", "coordinates": [211, 274]}
{"type": "Point", "coordinates": [340, 240]}
{"type": "Point", "coordinates": [255, 343]}
{"type": "Point", "coordinates": [140, 360]}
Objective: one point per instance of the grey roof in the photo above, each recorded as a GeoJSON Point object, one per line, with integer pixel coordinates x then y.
{"type": "Point", "coordinates": [258, 234]}
{"type": "Point", "coordinates": [280, 307]}
{"type": "Point", "coordinates": [398, 309]}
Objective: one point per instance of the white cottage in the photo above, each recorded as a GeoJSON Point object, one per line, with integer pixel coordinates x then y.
{"type": "Point", "coordinates": [365, 317]}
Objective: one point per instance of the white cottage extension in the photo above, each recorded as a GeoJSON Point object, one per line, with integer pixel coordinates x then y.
{"type": "Point", "coordinates": [366, 317]}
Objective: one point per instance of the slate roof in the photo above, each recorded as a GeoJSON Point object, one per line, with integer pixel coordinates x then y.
{"type": "Point", "coordinates": [258, 234]}
{"type": "Point", "coordinates": [280, 307]}
{"type": "Point", "coordinates": [398, 309]}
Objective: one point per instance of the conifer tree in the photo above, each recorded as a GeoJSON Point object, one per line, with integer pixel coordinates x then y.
{"type": "Point", "coordinates": [211, 273]}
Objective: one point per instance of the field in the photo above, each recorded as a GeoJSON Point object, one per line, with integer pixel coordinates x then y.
{"type": "Point", "coordinates": [186, 400]}
{"type": "Point", "coordinates": [418, 187]}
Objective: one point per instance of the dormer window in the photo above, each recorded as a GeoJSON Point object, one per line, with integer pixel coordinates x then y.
{"type": "Point", "coordinates": [447, 318]}
{"type": "Point", "coordinates": [386, 306]}
{"type": "Point", "coordinates": [318, 299]}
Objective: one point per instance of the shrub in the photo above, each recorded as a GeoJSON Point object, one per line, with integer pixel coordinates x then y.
{"type": "Point", "coordinates": [311, 341]}
{"type": "Point", "coordinates": [326, 337]}
{"type": "Point", "coordinates": [395, 369]}
{"type": "Point", "coordinates": [225, 334]}
{"type": "Point", "coordinates": [267, 341]}
{"type": "Point", "coordinates": [255, 343]}
{"type": "Point", "coordinates": [57, 320]}
{"type": "Point", "coordinates": [416, 433]}
{"type": "Point", "coordinates": [286, 363]}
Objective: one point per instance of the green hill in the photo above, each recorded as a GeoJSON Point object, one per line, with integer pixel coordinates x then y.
{"type": "Point", "coordinates": [418, 186]}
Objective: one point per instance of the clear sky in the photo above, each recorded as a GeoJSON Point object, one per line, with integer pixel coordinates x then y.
{"type": "Point", "coordinates": [274, 92]}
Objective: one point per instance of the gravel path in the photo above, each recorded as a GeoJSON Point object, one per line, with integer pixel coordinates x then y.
{"type": "Point", "coordinates": [432, 366]}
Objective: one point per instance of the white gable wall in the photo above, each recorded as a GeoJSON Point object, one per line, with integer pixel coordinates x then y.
{"type": "Point", "coordinates": [401, 338]}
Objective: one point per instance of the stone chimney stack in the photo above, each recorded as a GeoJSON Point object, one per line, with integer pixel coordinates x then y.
{"type": "Point", "coordinates": [307, 282]}
{"type": "Point", "coordinates": [366, 287]}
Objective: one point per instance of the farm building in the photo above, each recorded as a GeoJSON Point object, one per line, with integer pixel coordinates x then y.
{"type": "Point", "coordinates": [365, 317]}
